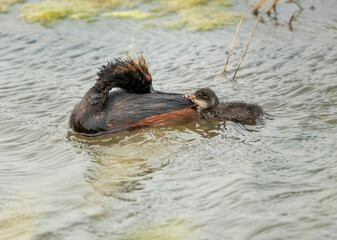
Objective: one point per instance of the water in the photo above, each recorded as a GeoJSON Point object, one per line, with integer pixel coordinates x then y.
{"type": "Point", "coordinates": [196, 181]}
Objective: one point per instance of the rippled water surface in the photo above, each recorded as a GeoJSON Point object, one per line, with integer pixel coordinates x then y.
{"type": "Point", "coordinates": [202, 180]}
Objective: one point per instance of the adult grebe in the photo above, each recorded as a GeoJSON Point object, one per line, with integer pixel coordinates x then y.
{"type": "Point", "coordinates": [135, 105]}
{"type": "Point", "coordinates": [209, 107]}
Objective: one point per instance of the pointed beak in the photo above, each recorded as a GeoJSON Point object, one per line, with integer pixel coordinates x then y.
{"type": "Point", "coordinates": [189, 96]}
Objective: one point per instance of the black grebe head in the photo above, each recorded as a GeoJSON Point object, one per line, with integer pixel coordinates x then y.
{"type": "Point", "coordinates": [204, 98]}
{"type": "Point", "coordinates": [131, 74]}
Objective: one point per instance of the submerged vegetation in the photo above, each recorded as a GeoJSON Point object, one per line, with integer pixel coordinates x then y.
{"type": "Point", "coordinates": [137, 14]}
{"type": "Point", "coordinates": [5, 4]}
{"type": "Point", "coordinates": [200, 19]}
{"type": "Point", "coordinates": [195, 15]}
{"type": "Point", "coordinates": [52, 10]}
{"type": "Point", "coordinates": [164, 230]}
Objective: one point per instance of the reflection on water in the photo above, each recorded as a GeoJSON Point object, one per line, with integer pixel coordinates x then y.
{"type": "Point", "coordinates": [120, 163]}
{"type": "Point", "coordinates": [202, 180]}
{"type": "Point", "coordinates": [118, 167]}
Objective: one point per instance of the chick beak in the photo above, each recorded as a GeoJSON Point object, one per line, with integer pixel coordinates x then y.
{"type": "Point", "coordinates": [189, 96]}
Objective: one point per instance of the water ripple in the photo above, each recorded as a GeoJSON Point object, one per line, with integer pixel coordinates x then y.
{"type": "Point", "coordinates": [220, 181]}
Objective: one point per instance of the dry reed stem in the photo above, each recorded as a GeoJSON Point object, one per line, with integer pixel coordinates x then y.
{"type": "Point", "coordinates": [295, 2]}
{"type": "Point", "coordinates": [250, 38]}
{"type": "Point", "coordinates": [236, 34]}
{"type": "Point", "coordinates": [291, 20]}
{"type": "Point", "coordinates": [272, 6]}
{"type": "Point", "coordinates": [255, 10]}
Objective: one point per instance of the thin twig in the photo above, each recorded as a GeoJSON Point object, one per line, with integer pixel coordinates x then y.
{"type": "Point", "coordinates": [298, 5]}
{"type": "Point", "coordinates": [236, 34]}
{"type": "Point", "coordinates": [291, 20]}
{"type": "Point", "coordinates": [251, 36]}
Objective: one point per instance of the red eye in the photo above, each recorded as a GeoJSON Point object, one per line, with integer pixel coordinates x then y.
{"type": "Point", "coordinates": [148, 76]}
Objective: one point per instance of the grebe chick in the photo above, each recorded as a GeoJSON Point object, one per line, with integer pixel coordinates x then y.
{"type": "Point", "coordinates": [135, 105]}
{"type": "Point", "coordinates": [209, 107]}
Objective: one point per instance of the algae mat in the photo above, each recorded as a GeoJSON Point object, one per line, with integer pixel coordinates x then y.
{"type": "Point", "coordinates": [194, 15]}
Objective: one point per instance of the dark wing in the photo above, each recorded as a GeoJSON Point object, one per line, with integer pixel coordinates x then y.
{"type": "Point", "coordinates": [130, 111]}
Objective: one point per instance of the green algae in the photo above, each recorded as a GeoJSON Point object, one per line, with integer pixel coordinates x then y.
{"type": "Point", "coordinates": [52, 10]}
{"type": "Point", "coordinates": [194, 15]}
{"type": "Point", "coordinates": [83, 16]}
{"type": "Point", "coordinates": [201, 19]}
{"type": "Point", "coordinates": [136, 14]}
{"type": "Point", "coordinates": [175, 5]}
{"type": "Point", "coordinates": [5, 4]}
{"type": "Point", "coordinates": [198, 15]}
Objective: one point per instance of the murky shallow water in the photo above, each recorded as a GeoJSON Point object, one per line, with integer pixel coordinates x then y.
{"type": "Point", "coordinates": [197, 181]}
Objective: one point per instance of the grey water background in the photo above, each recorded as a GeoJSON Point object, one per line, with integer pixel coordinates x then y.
{"type": "Point", "coordinates": [202, 180]}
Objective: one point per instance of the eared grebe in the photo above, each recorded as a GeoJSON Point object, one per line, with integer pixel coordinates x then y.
{"type": "Point", "coordinates": [209, 107]}
{"type": "Point", "coordinates": [135, 105]}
